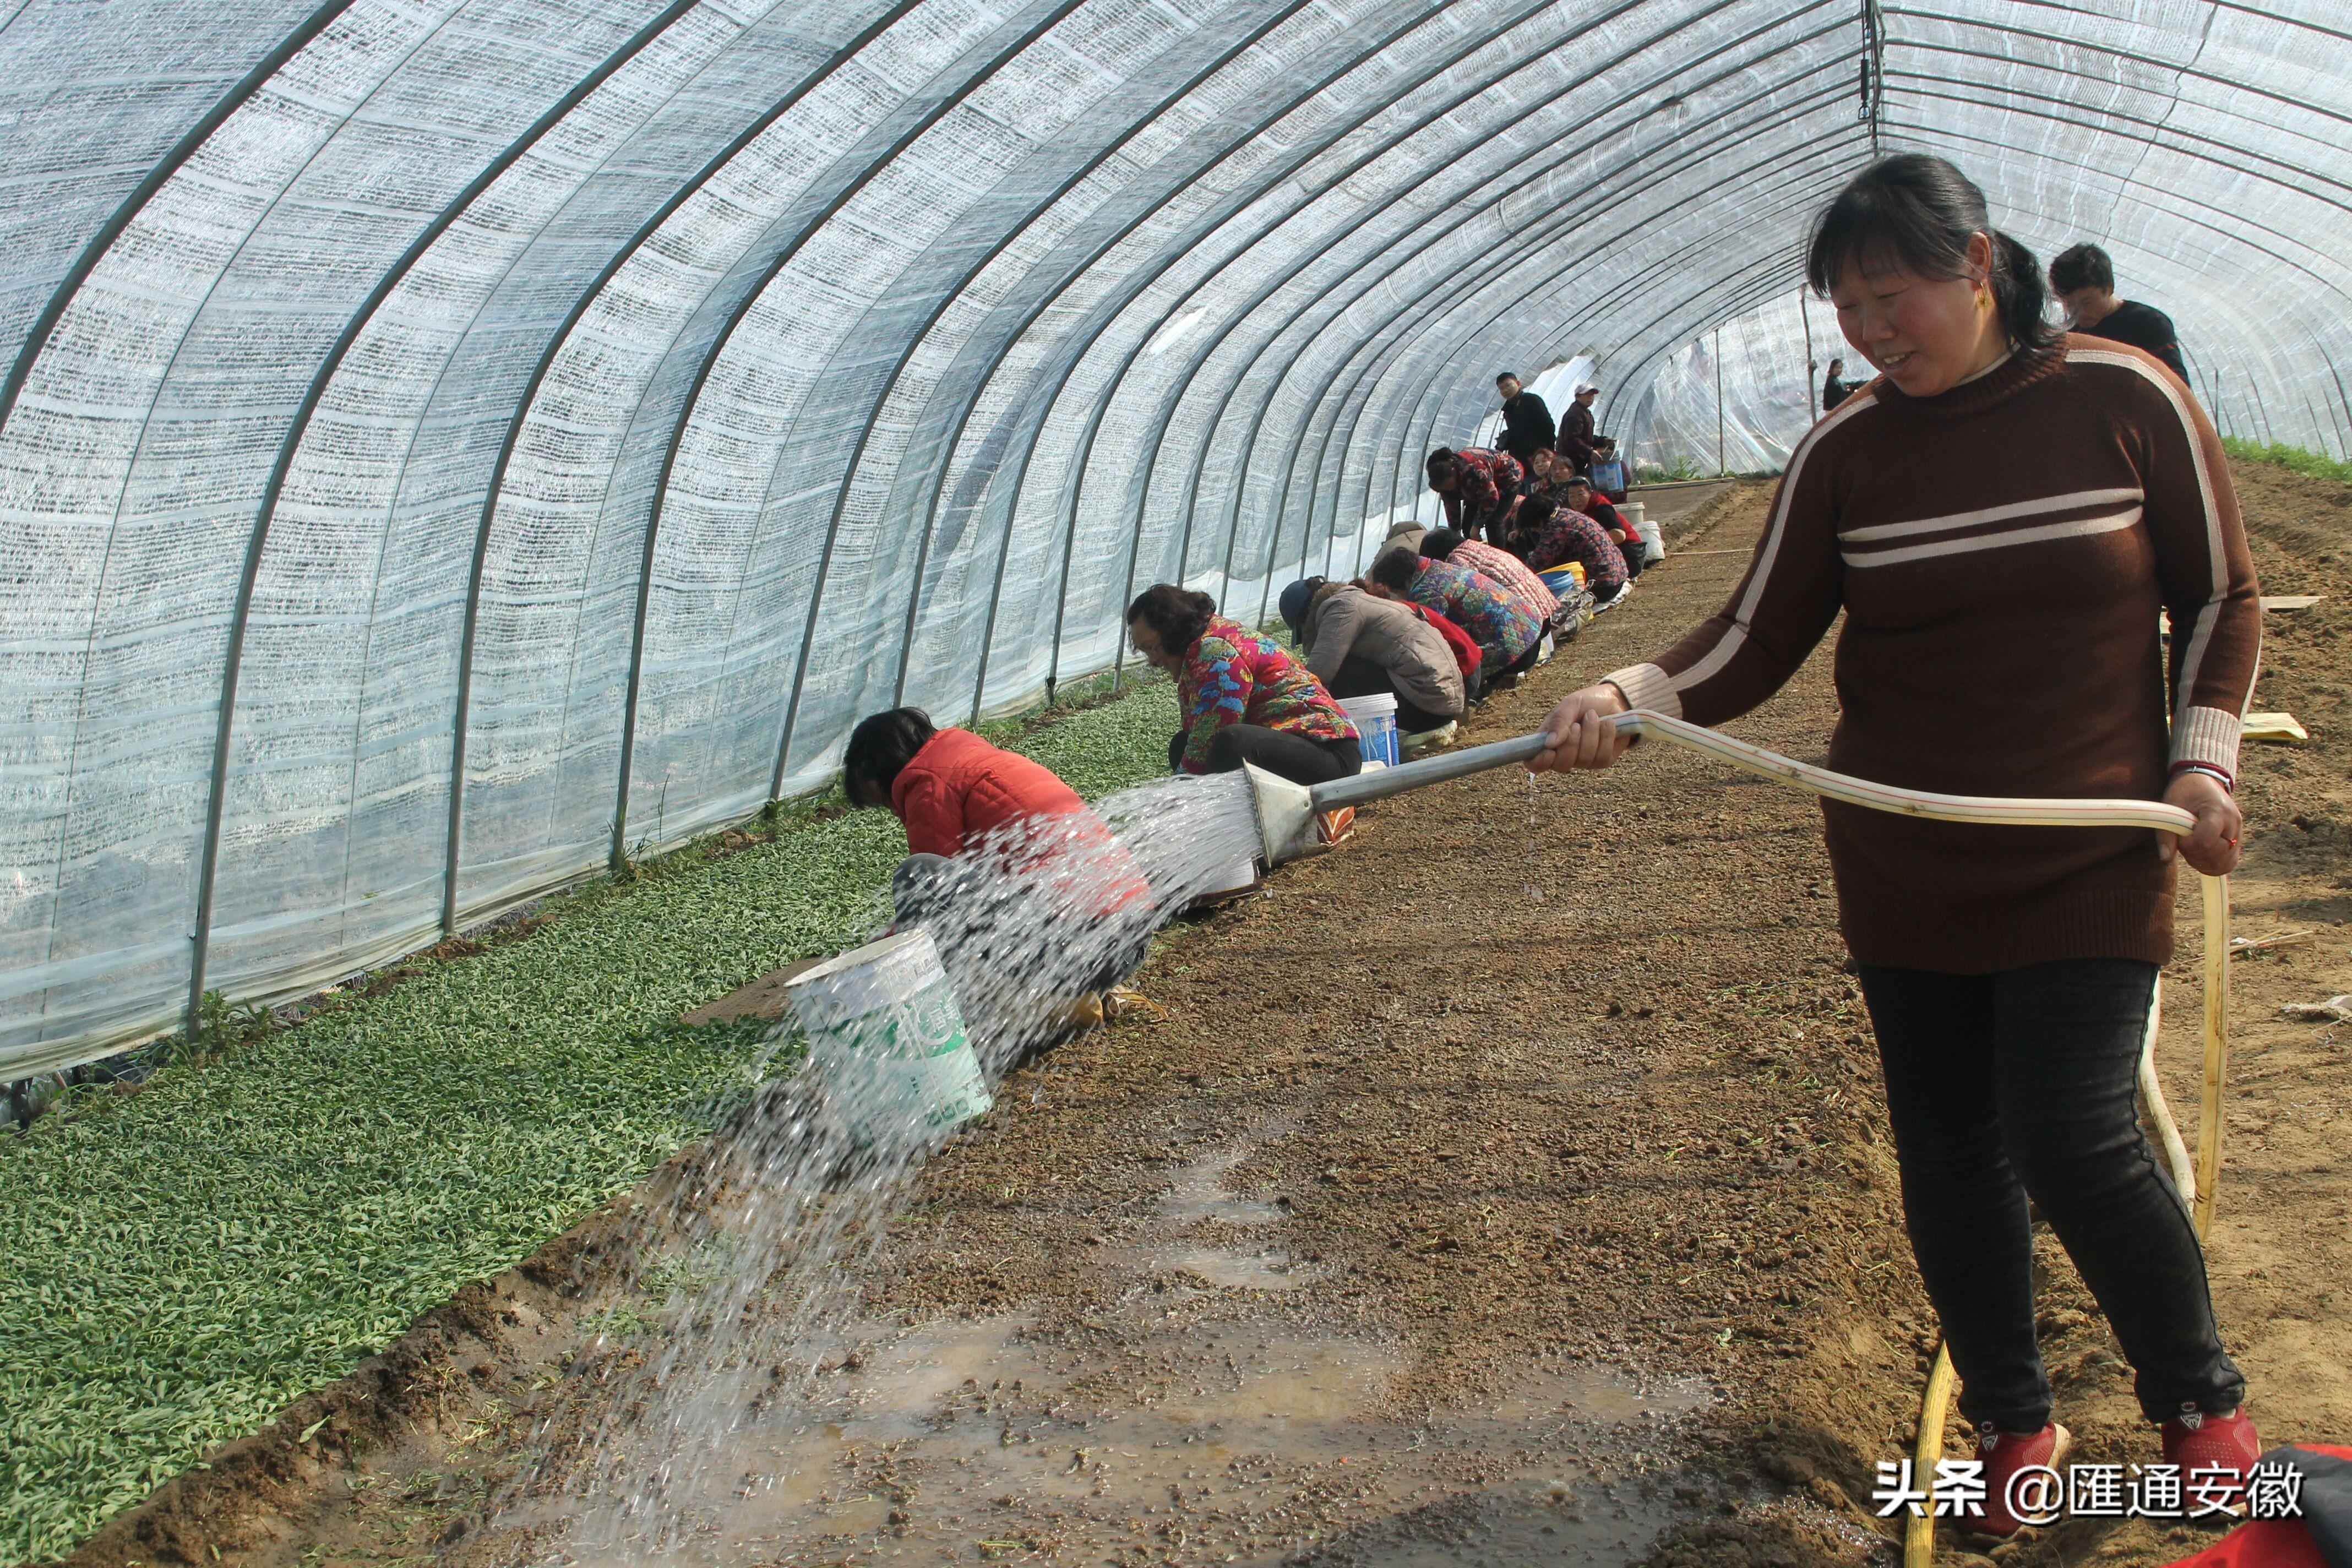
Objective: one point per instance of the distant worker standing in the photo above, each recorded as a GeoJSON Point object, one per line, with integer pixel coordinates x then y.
{"type": "Point", "coordinates": [1526, 421]}
{"type": "Point", "coordinates": [1835, 388]}
{"type": "Point", "coordinates": [1576, 429]}
{"type": "Point", "coordinates": [2084, 278]}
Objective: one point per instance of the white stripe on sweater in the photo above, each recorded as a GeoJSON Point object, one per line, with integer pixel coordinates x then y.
{"type": "Point", "coordinates": [1988, 514]}
{"type": "Point", "coordinates": [1721, 653]}
{"type": "Point", "coordinates": [2216, 558]}
{"type": "Point", "coordinates": [2081, 529]}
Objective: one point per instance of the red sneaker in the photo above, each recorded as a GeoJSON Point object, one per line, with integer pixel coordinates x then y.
{"type": "Point", "coordinates": [2004, 1455]}
{"type": "Point", "coordinates": [2198, 1441]}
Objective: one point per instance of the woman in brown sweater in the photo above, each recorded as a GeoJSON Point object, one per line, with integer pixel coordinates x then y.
{"type": "Point", "coordinates": [2000, 515]}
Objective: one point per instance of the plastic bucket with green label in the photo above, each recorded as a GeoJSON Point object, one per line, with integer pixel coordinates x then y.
{"type": "Point", "coordinates": [885, 1033]}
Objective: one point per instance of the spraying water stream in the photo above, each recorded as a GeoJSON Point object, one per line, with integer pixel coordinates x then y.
{"type": "Point", "coordinates": [756, 1256]}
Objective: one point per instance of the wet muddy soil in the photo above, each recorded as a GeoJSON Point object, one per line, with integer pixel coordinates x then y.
{"type": "Point", "coordinates": [1508, 1187]}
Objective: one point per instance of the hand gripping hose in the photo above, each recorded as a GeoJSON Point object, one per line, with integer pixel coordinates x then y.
{"type": "Point", "coordinates": [2197, 1187]}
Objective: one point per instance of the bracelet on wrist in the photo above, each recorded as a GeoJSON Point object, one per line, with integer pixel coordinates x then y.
{"type": "Point", "coordinates": [2209, 771]}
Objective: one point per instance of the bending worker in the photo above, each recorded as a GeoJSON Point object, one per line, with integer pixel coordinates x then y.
{"type": "Point", "coordinates": [1359, 645]}
{"type": "Point", "coordinates": [2010, 971]}
{"type": "Point", "coordinates": [987, 829]}
{"type": "Point", "coordinates": [1244, 700]}
{"type": "Point", "coordinates": [1508, 634]}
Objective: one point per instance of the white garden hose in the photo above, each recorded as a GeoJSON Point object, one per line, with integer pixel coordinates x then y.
{"type": "Point", "coordinates": [2197, 1187]}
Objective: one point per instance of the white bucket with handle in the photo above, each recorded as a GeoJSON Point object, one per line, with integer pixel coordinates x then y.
{"type": "Point", "coordinates": [1652, 535]}
{"type": "Point", "coordinates": [885, 1033]}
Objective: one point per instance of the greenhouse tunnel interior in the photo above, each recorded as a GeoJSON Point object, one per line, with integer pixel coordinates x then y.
{"type": "Point", "coordinates": [449, 443]}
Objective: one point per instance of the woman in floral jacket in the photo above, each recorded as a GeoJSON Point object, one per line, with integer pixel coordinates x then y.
{"type": "Point", "coordinates": [1244, 700]}
{"type": "Point", "coordinates": [1478, 487]}
{"type": "Point", "coordinates": [1510, 635]}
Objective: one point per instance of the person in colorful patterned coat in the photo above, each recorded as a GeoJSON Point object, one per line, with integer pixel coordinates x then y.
{"type": "Point", "coordinates": [1509, 632]}
{"type": "Point", "coordinates": [1244, 700]}
{"type": "Point", "coordinates": [1549, 535]}
{"type": "Point", "coordinates": [1478, 487]}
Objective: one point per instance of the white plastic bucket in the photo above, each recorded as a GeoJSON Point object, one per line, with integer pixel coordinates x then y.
{"type": "Point", "coordinates": [1376, 726]}
{"type": "Point", "coordinates": [884, 1030]}
{"type": "Point", "coordinates": [1653, 536]}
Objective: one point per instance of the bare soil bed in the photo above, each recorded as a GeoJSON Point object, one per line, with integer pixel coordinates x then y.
{"type": "Point", "coordinates": [1510, 1187]}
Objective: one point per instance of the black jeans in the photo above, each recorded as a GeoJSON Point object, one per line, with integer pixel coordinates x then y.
{"type": "Point", "coordinates": [1285, 754]}
{"type": "Point", "coordinates": [2003, 1085]}
{"type": "Point", "coordinates": [1360, 677]}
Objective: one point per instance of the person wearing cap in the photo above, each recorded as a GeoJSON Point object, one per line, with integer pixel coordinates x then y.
{"type": "Point", "coordinates": [1526, 422]}
{"type": "Point", "coordinates": [1576, 429]}
{"type": "Point", "coordinates": [1359, 645]}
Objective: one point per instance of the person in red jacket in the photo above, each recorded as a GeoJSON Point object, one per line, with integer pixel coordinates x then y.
{"type": "Point", "coordinates": [1007, 867]}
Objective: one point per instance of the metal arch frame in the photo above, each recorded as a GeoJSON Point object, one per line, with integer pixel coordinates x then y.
{"type": "Point", "coordinates": [2178, 68]}
{"type": "Point", "coordinates": [36, 338]}
{"type": "Point", "coordinates": [1450, 280]}
{"type": "Point", "coordinates": [923, 553]}
{"type": "Point", "coordinates": [1431, 384]}
{"type": "Point", "coordinates": [1476, 336]}
{"type": "Point", "coordinates": [529, 396]}
{"type": "Point", "coordinates": [299, 425]}
{"type": "Point", "coordinates": [734, 317]}
{"type": "Point", "coordinates": [1449, 215]}
{"type": "Point", "coordinates": [1140, 481]}
{"type": "Point", "coordinates": [1230, 208]}
{"type": "Point", "coordinates": [914, 343]}
{"type": "Point", "coordinates": [1551, 220]}
{"type": "Point", "coordinates": [1400, 360]}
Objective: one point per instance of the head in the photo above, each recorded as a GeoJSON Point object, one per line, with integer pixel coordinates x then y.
{"type": "Point", "coordinates": [1444, 469]}
{"type": "Point", "coordinates": [1837, 366]}
{"type": "Point", "coordinates": [879, 749]}
{"type": "Point", "coordinates": [1295, 601]}
{"type": "Point", "coordinates": [1507, 384]}
{"type": "Point", "coordinates": [1392, 575]}
{"type": "Point", "coordinates": [2084, 278]}
{"type": "Point", "coordinates": [1576, 494]}
{"type": "Point", "coordinates": [1165, 621]}
{"type": "Point", "coordinates": [1541, 460]}
{"type": "Point", "coordinates": [1439, 545]}
{"type": "Point", "coordinates": [1925, 288]}
{"type": "Point", "coordinates": [1587, 395]}
{"type": "Point", "coordinates": [1534, 513]}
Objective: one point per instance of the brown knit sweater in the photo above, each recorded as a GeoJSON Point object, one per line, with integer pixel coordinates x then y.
{"type": "Point", "coordinates": [2000, 553]}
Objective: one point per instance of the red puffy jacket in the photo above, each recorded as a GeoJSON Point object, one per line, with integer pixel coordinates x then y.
{"type": "Point", "coordinates": [1467, 653]}
{"type": "Point", "coordinates": [959, 787]}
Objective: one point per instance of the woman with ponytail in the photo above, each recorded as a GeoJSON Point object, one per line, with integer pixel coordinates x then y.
{"type": "Point", "coordinates": [2000, 516]}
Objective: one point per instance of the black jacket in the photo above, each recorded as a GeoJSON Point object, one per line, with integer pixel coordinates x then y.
{"type": "Point", "coordinates": [1526, 425]}
{"type": "Point", "coordinates": [1576, 436]}
{"type": "Point", "coordinates": [2143, 327]}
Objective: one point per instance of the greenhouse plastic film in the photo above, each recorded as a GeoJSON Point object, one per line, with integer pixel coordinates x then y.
{"type": "Point", "coordinates": [451, 443]}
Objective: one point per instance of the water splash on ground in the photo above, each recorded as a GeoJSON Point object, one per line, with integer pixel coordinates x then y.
{"type": "Point", "coordinates": [755, 1254]}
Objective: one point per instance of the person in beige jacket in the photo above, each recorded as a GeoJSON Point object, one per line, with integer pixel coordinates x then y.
{"type": "Point", "coordinates": [1360, 644]}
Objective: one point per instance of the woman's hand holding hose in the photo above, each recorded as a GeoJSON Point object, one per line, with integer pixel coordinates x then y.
{"type": "Point", "coordinates": [1578, 732]}
{"type": "Point", "coordinates": [2212, 846]}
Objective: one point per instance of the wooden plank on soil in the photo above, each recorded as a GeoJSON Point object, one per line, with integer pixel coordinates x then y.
{"type": "Point", "coordinates": [762, 998]}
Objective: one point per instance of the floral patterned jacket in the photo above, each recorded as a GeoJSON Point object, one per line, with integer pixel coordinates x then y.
{"type": "Point", "coordinates": [1503, 626]}
{"type": "Point", "coordinates": [1487, 489]}
{"type": "Point", "coordinates": [1235, 677]}
{"type": "Point", "coordinates": [1572, 536]}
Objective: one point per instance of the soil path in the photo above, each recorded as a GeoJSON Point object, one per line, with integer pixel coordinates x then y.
{"type": "Point", "coordinates": [1510, 1187]}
